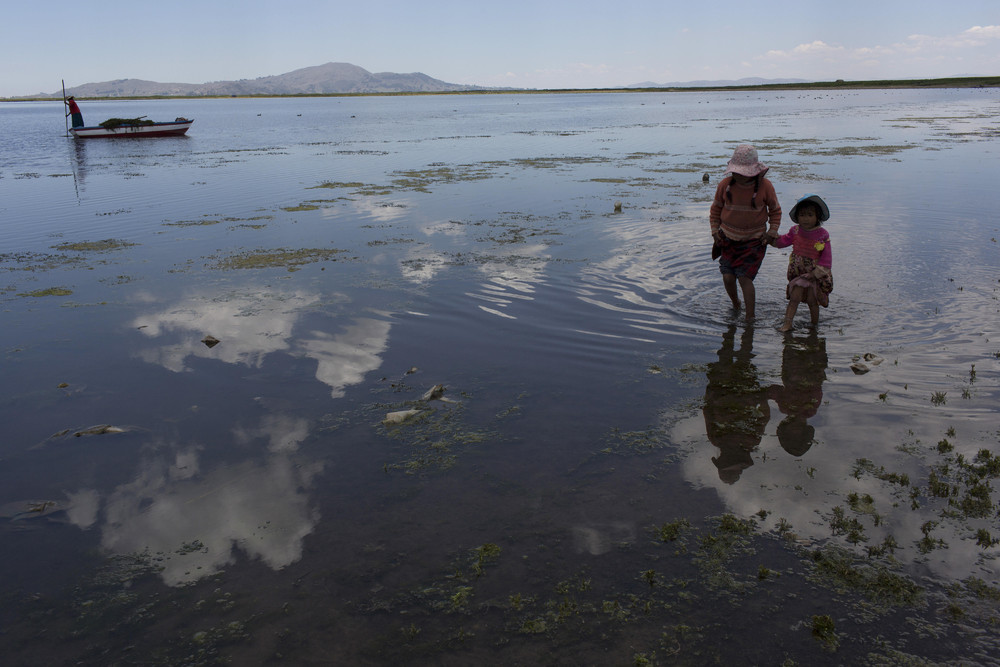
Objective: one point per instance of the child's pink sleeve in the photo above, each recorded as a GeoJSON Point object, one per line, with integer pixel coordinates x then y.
{"type": "Point", "coordinates": [825, 255]}
{"type": "Point", "coordinates": [786, 239]}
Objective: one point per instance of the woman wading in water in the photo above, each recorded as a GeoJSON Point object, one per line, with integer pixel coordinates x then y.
{"type": "Point", "coordinates": [744, 218]}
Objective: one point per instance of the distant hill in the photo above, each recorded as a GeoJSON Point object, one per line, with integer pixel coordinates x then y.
{"type": "Point", "coordinates": [751, 81]}
{"type": "Point", "coordinates": [328, 79]}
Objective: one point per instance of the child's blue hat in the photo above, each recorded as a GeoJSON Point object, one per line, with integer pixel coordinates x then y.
{"type": "Point", "coordinates": [824, 210]}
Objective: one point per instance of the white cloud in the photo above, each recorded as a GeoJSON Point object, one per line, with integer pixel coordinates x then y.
{"type": "Point", "coordinates": [916, 55]}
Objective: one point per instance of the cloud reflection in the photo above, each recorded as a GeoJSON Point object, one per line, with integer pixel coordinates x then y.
{"type": "Point", "coordinates": [344, 359]}
{"type": "Point", "coordinates": [197, 524]}
{"type": "Point", "coordinates": [253, 326]}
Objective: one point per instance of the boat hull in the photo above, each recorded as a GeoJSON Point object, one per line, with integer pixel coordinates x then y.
{"type": "Point", "coordinates": [167, 129]}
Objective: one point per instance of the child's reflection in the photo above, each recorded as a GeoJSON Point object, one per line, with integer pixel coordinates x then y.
{"type": "Point", "coordinates": [736, 410]}
{"type": "Point", "coordinates": [803, 369]}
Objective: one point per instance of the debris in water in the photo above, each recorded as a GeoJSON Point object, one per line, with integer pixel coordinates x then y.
{"type": "Point", "coordinates": [29, 509]}
{"type": "Point", "coordinates": [399, 416]}
{"type": "Point", "coordinates": [434, 393]}
{"type": "Point", "coordinates": [860, 368]}
{"type": "Point", "coordinates": [100, 429]}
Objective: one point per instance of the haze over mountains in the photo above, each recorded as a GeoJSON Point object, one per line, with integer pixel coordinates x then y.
{"type": "Point", "coordinates": [328, 79]}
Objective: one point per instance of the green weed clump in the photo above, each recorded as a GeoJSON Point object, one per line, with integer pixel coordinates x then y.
{"type": "Point", "coordinates": [278, 258]}
{"type": "Point", "coordinates": [94, 246]}
{"type": "Point", "coordinates": [823, 630]}
{"type": "Point", "coordinates": [669, 532]}
{"type": "Point", "coordinates": [51, 291]}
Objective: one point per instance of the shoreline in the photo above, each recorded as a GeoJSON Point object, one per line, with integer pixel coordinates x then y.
{"type": "Point", "coordinates": [887, 84]}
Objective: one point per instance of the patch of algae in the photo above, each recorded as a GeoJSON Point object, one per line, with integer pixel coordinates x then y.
{"type": "Point", "coordinates": [51, 291]}
{"type": "Point", "coordinates": [277, 258]}
{"type": "Point", "coordinates": [94, 246]}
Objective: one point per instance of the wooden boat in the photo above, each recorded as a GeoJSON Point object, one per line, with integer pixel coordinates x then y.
{"type": "Point", "coordinates": [134, 130]}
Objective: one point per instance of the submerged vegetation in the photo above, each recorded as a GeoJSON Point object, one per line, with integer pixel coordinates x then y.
{"type": "Point", "coordinates": [290, 259]}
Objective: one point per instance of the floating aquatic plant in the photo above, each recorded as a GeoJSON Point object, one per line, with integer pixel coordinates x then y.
{"type": "Point", "coordinates": [277, 258]}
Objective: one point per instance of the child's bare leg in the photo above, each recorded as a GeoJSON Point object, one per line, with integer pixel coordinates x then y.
{"type": "Point", "coordinates": [813, 308]}
{"type": "Point", "coordinates": [729, 282]}
{"type": "Point", "coordinates": [794, 299]}
{"type": "Point", "coordinates": [789, 315]}
{"type": "Point", "coordinates": [749, 296]}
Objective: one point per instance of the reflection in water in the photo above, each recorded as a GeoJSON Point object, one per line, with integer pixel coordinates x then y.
{"type": "Point", "coordinates": [344, 359]}
{"type": "Point", "coordinates": [666, 291]}
{"type": "Point", "coordinates": [837, 484]}
{"type": "Point", "coordinates": [198, 524]}
{"type": "Point", "coordinates": [511, 278]}
{"type": "Point", "coordinates": [736, 410]}
{"type": "Point", "coordinates": [803, 369]}
{"type": "Point", "coordinates": [193, 522]}
{"type": "Point", "coordinates": [252, 326]}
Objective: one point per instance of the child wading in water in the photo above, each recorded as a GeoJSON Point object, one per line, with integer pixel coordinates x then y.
{"type": "Point", "coordinates": [810, 267]}
{"type": "Point", "coordinates": [744, 217]}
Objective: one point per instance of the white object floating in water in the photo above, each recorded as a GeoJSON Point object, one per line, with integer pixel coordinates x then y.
{"type": "Point", "coordinates": [100, 429]}
{"type": "Point", "coordinates": [435, 392]}
{"type": "Point", "coordinates": [400, 416]}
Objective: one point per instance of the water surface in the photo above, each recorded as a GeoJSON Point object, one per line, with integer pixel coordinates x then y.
{"type": "Point", "coordinates": [619, 463]}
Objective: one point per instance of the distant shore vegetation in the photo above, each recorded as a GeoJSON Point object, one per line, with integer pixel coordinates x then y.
{"type": "Point", "coordinates": [839, 84]}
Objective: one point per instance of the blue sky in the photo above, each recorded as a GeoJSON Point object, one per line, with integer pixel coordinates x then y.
{"type": "Point", "coordinates": [530, 44]}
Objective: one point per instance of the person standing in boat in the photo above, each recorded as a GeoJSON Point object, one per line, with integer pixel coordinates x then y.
{"type": "Point", "coordinates": [74, 111]}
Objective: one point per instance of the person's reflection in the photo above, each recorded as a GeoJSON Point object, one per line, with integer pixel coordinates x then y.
{"type": "Point", "coordinates": [736, 410]}
{"type": "Point", "coordinates": [803, 369]}
{"type": "Point", "coordinates": [78, 162]}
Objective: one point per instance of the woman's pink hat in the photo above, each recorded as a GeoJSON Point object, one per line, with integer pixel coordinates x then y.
{"type": "Point", "coordinates": [745, 162]}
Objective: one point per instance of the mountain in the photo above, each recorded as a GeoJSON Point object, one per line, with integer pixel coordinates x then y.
{"type": "Point", "coordinates": [751, 81]}
{"type": "Point", "coordinates": [328, 79]}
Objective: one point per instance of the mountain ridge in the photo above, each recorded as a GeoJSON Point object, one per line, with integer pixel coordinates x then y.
{"type": "Point", "coordinates": [328, 79]}
{"type": "Point", "coordinates": [331, 78]}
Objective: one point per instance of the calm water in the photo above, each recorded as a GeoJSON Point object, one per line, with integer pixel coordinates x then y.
{"type": "Point", "coordinates": [618, 465]}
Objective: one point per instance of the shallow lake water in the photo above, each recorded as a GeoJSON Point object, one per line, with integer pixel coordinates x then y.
{"type": "Point", "coordinates": [389, 380]}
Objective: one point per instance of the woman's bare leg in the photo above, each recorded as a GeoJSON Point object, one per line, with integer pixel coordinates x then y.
{"type": "Point", "coordinates": [729, 282]}
{"type": "Point", "coordinates": [749, 296]}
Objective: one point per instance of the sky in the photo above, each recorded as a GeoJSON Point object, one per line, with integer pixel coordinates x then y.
{"type": "Point", "coordinates": [515, 43]}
